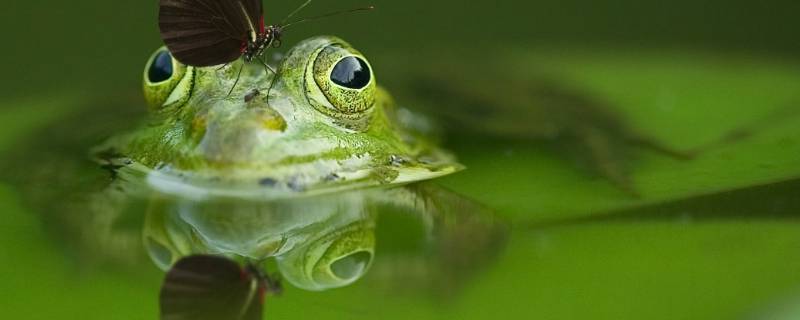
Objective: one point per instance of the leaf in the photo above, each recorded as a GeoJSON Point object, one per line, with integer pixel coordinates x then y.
{"type": "Point", "coordinates": [682, 99]}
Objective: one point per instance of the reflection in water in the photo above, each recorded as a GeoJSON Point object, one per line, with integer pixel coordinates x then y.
{"type": "Point", "coordinates": [434, 240]}
{"type": "Point", "coordinates": [208, 287]}
{"type": "Point", "coordinates": [318, 243]}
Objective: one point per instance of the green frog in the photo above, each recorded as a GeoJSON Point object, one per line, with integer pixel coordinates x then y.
{"type": "Point", "coordinates": [322, 125]}
{"type": "Point", "coordinates": [293, 167]}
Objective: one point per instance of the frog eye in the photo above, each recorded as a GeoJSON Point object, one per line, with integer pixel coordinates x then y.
{"type": "Point", "coordinates": [161, 68]}
{"type": "Point", "coordinates": [331, 261]}
{"type": "Point", "coordinates": [167, 82]}
{"type": "Point", "coordinates": [343, 85]}
{"type": "Point", "coordinates": [351, 72]}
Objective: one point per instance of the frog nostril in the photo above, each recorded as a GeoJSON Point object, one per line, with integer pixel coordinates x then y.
{"type": "Point", "coordinates": [161, 68]}
{"type": "Point", "coordinates": [271, 120]}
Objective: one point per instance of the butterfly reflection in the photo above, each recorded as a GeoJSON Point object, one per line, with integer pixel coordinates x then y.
{"type": "Point", "coordinates": [210, 287]}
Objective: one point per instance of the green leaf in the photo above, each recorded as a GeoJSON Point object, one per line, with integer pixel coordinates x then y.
{"type": "Point", "coordinates": [684, 100]}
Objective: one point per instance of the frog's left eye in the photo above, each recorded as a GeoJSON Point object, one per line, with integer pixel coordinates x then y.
{"type": "Point", "coordinates": [341, 84]}
{"type": "Point", "coordinates": [161, 68]}
{"type": "Point", "coordinates": [167, 82]}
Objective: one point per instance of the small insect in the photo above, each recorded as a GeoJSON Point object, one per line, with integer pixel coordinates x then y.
{"type": "Point", "coordinates": [205, 287]}
{"type": "Point", "coordinates": [203, 33]}
{"type": "Point", "coordinates": [252, 94]}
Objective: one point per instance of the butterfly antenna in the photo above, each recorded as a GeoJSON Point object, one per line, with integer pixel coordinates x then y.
{"type": "Point", "coordinates": [300, 8]}
{"type": "Point", "coordinates": [274, 77]}
{"type": "Point", "coordinates": [335, 13]}
{"type": "Point", "coordinates": [267, 68]}
{"type": "Point", "coordinates": [271, 84]}
{"type": "Point", "coordinates": [238, 75]}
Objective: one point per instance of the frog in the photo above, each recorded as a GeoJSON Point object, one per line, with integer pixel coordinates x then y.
{"type": "Point", "coordinates": [292, 167]}
{"type": "Point", "coordinates": [322, 125]}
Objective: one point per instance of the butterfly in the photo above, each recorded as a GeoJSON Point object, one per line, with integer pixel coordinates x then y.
{"type": "Point", "coordinates": [203, 33]}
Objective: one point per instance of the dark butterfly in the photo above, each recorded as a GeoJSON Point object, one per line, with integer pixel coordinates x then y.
{"type": "Point", "coordinates": [208, 287]}
{"type": "Point", "coordinates": [204, 33]}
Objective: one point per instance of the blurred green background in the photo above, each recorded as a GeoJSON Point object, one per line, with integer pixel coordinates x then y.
{"type": "Point", "coordinates": [714, 238]}
{"type": "Point", "coordinates": [100, 45]}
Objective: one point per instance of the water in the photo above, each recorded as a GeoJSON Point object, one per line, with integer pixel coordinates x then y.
{"type": "Point", "coordinates": [714, 237]}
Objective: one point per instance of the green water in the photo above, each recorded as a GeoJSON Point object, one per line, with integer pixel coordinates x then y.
{"type": "Point", "coordinates": [715, 237]}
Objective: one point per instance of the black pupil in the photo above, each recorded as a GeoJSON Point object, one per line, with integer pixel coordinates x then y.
{"type": "Point", "coordinates": [161, 69]}
{"type": "Point", "coordinates": [351, 72]}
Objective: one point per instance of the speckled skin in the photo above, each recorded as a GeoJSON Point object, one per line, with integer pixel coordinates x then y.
{"type": "Point", "coordinates": [308, 134]}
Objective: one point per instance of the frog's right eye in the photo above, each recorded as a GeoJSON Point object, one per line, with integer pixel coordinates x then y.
{"type": "Point", "coordinates": [334, 260]}
{"type": "Point", "coordinates": [340, 83]}
{"type": "Point", "coordinates": [167, 82]}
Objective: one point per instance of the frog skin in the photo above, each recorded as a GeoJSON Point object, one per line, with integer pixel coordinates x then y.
{"type": "Point", "coordinates": [322, 125]}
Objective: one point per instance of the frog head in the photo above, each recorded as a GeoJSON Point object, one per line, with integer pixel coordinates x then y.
{"type": "Point", "coordinates": [319, 122]}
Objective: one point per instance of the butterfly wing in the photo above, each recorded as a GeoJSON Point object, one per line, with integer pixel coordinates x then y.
{"type": "Point", "coordinates": [204, 287]}
{"type": "Point", "coordinates": [255, 11]}
{"type": "Point", "coordinates": [204, 33]}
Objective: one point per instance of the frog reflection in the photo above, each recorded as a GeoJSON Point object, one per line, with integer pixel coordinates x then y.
{"type": "Point", "coordinates": [321, 242]}
{"type": "Point", "coordinates": [318, 243]}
